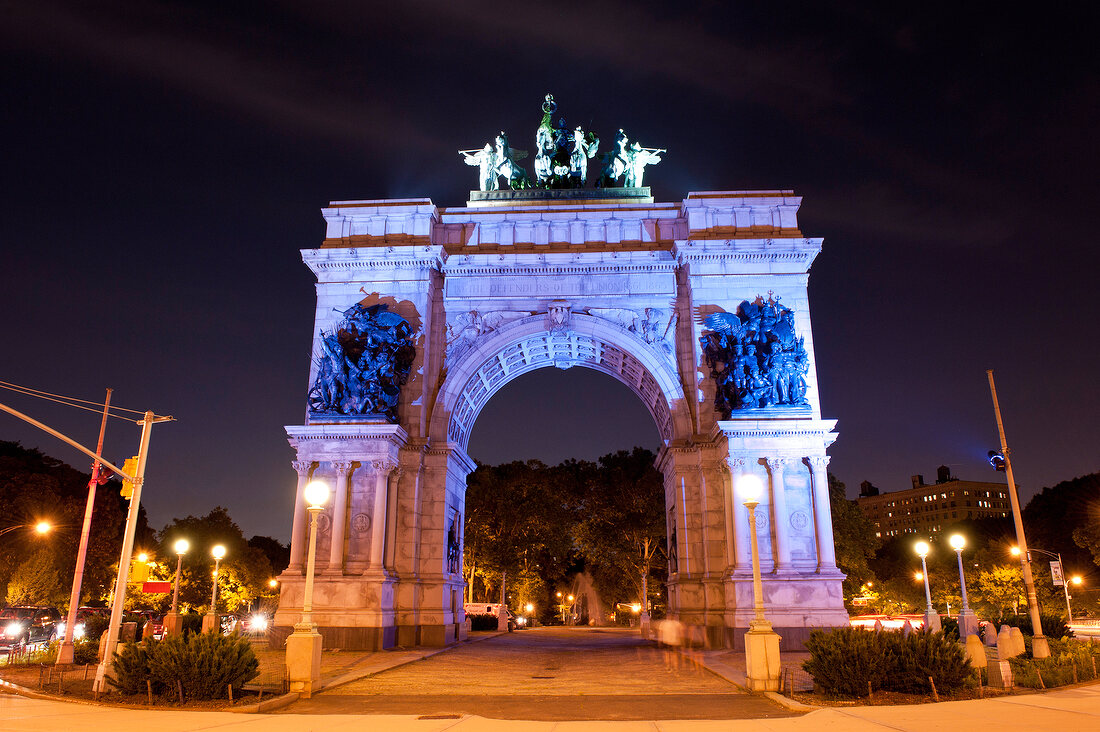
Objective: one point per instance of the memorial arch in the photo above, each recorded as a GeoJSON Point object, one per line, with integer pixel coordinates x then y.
{"type": "Point", "coordinates": [647, 292]}
{"type": "Point", "coordinates": [423, 312]}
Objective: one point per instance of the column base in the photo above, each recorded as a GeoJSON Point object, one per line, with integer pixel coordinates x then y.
{"type": "Point", "coordinates": [209, 622]}
{"type": "Point", "coordinates": [932, 621]}
{"type": "Point", "coordinates": [65, 653]}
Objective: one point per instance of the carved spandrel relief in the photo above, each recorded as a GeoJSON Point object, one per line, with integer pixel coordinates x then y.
{"type": "Point", "coordinates": [653, 325]}
{"type": "Point", "coordinates": [466, 328]}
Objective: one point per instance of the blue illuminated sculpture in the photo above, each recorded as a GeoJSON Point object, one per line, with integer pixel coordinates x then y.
{"type": "Point", "coordinates": [755, 358]}
{"type": "Point", "coordinates": [364, 362]}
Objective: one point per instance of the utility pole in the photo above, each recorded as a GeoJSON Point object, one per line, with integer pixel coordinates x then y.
{"type": "Point", "coordinates": [65, 653]}
{"type": "Point", "coordinates": [119, 601]}
{"type": "Point", "coordinates": [1039, 646]}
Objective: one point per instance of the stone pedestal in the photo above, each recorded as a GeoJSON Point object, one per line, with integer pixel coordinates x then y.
{"type": "Point", "coordinates": [762, 658]}
{"type": "Point", "coordinates": [173, 624]}
{"type": "Point", "coordinates": [303, 659]}
{"type": "Point", "coordinates": [968, 623]}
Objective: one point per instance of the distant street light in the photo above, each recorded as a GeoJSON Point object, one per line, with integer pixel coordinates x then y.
{"type": "Point", "coordinates": [273, 583]}
{"type": "Point", "coordinates": [918, 576]}
{"type": "Point", "coordinates": [931, 617]}
{"type": "Point", "coordinates": [762, 663]}
{"type": "Point", "coordinates": [303, 646]}
{"type": "Point", "coordinates": [210, 621]}
{"type": "Point", "coordinates": [173, 624]}
{"type": "Point", "coordinates": [968, 621]}
{"type": "Point", "coordinates": [1015, 551]}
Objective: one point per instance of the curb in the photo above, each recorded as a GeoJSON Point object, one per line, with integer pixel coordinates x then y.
{"type": "Point", "coordinates": [719, 671]}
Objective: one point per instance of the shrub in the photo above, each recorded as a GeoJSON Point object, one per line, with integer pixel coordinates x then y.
{"type": "Point", "coordinates": [131, 666]}
{"type": "Point", "coordinates": [1058, 669]}
{"type": "Point", "coordinates": [849, 661]}
{"type": "Point", "coordinates": [911, 661]}
{"type": "Point", "coordinates": [844, 660]}
{"type": "Point", "coordinates": [204, 664]}
{"type": "Point", "coordinates": [85, 652]}
{"type": "Point", "coordinates": [1054, 626]}
{"type": "Point", "coordinates": [483, 622]}
{"type": "Point", "coordinates": [192, 623]}
{"type": "Point", "coordinates": [94, 625]}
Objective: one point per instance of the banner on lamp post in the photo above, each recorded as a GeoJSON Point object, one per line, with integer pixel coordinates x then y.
{"type": "Point", "coordinates": [1056, 574]}
{"type": "Point", "coordinates": [156, 587]}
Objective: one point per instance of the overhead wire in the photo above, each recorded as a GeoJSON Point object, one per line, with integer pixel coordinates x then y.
{"type": "Point", "coordinates": [75, 402]}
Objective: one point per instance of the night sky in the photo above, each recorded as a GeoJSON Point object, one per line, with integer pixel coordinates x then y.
{"type": "Point", "coordinates": [165, 161]}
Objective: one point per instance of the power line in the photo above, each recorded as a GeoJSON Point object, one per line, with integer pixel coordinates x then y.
{"type": "Point", "coordinates": [69, 401]}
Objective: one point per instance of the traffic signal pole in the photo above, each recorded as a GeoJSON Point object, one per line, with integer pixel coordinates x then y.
{"type": "Point", "coordinates": [115, 626]}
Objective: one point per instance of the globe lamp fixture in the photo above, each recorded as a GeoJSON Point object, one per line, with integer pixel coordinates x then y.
{"type": "Point", "coordinates": [316, 493]}
{"type": "Point", "coordinates": [181, 546]}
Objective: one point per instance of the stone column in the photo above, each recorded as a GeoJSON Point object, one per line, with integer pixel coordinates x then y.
{"type": "Point", "coordinates": [389, 559]}
{"type": "Point", "coordinates": [742, 552]}
{"type": "Point", "coordinates": [382, 470]}
{"type": "Point", "coordinates": [339, 517]}
{"type": "Point", "coordinates": [780, 516]}
{"type": "Point", "coordinates": [298, 530]}
{"type": "Point", "coordinates": [823, 517]}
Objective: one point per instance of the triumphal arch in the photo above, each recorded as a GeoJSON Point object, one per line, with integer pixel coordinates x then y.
{"type": "Point", "coordinates": [424, 312]}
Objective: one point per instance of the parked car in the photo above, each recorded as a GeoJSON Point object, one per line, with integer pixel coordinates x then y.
{"type": "Point", "coordinates": [24, 625]}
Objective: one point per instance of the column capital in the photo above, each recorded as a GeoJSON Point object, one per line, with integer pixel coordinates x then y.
{"type": "Point", "coordinates": [736, 464]}
{"type": "Point", "coordinates": [778, 463]}
{"type": "Point", "coordinates": [341, 466]}
{"type": "Point", "coordinates": [818, 462]}
{"type": "Point", "coordinates": [302, 467]}
{"type": "Point", "coordinates": [384, 465]}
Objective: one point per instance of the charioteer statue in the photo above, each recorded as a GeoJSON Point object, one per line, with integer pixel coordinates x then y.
{"type": "Point", "coordinates": [561, 158]}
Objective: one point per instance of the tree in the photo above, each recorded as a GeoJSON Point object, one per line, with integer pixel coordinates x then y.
{"type": "Point", "coordinates": [244, 572]}
{"type": "Point", "coordinates": [853, 538]}
{"type": "Point", "coordinates": [36, 581]}
{"type": "Point", "coordinates": [621, 524]}
{"type": "Point", "coordinates": [1000, 590]}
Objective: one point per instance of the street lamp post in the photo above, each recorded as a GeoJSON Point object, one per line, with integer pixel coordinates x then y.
{"type": "Point", "coordinates": [173, 623]}
{"type": "Point", "coordinates": [1061, 568]}
{"type": "Point", "coordinates": [303, 646]}
{"type": "Point", "coordinates": [968, 621]}
{"type": "Point", "coordinates": [1039, 646]}
{"type": "Point", "coordinates": [931, 617]}
{"type": "Point", "coordinates": [210, 620]}
{"type": "Point", "coordinates": [762, 662]}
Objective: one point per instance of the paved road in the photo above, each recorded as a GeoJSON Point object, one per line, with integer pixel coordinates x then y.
{"type": "Point", "coordinates": [550, 674]}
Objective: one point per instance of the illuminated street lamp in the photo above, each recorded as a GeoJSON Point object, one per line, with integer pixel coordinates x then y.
{"type": "Point", "coordinates": [918, 576]}
{"type": "Point", "coordinates": [931, 617]}
{"type": "Point", "coordinates": [210, 620]}
{"type": "Point", "coordinates": [762, 663]}
{"type": "Point", "coordinates": [303, 646]}
{"type": "Point", "coordinates": [968, 621]}
{"type": "Point", "coordinates": [273, 583]}
{"type": "Point", "coordinates": [173, 623]}
{"type": "Point", "coordinates": [41, 528]}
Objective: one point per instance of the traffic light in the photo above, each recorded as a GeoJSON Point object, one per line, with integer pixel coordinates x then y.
{"type": "Point", "coordinates": [129, 467]}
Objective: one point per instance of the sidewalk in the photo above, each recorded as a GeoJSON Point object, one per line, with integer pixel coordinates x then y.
{"type": "Point", "coordinates": [1057, 711]}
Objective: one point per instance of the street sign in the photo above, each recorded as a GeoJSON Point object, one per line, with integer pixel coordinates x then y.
{"type": "Point", "coordinates": [156, 587]}
{"type": "Point", "coordinates": [1056, 574]}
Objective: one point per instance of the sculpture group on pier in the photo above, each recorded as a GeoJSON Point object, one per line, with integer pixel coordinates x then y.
{"type": "Point", "coordinates": [561, 158]}
{"type": "Point", "coordinates": [365, 361]}
{"type": "Point", "coordinates": [755, 357]}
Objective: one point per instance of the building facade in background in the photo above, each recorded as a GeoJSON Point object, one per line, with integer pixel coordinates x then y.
{"type": "Point", "coordinates": [929, 508]}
